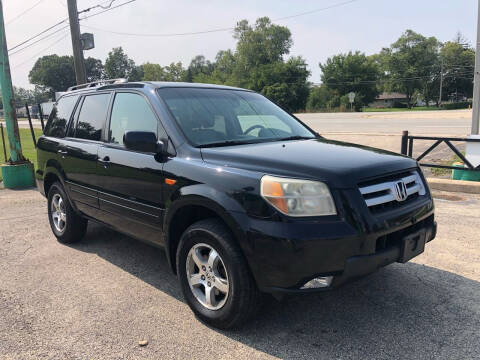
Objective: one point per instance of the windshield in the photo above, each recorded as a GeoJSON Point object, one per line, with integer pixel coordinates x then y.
{"type": "Point", "coordinates": [214, 117]}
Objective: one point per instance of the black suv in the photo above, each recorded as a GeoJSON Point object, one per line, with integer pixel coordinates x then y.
{"type": "Point", "coordinates": [244, 197]}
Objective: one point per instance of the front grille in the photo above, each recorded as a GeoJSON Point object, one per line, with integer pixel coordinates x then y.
{"type": "Point", "coordinates": [392, 191]}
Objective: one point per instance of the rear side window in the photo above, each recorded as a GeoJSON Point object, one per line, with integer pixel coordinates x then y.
{"type": "Point", "coordinates": [92, 117]}
{"type": "Point", "coordinates": [59, 117]}
{"type": "Point", "coordinates": [130, 112]}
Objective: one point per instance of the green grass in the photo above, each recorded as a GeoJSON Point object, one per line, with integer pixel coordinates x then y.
{"type": "Point", "coordinates": [417, 108]}
{"type": "Point", "coordinates": [442, 172]}
{"type": "Point", "coordinates": [28, 149]}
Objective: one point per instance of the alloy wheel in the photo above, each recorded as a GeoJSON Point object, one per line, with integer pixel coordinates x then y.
{"type": "Point", "coordinates": [207, 276]}
{"type": "Point", "coordinates": [59, 215]}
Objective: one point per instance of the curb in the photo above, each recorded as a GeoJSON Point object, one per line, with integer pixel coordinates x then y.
{"type": "Point", "coordinates": [470, 187]}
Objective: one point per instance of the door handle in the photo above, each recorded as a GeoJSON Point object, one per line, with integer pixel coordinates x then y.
{"type": "Point", "coordinates": [62, 153]}
{"type": "Point", "coordinates": [105, 160]}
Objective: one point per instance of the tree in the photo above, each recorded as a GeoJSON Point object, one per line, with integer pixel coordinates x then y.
{"type": "Point", "coordinates": [319, 98]}
{"type": "Point", "coordinates": [263, 43]}
{"type": "Point", "coordinates": [285, 83]}
{"type": "Point", "coordinates": [258, 64]}
{"type": "Point", "coordinates": [153, 72]}
{"type": "Point", "coordinates": [94, 68]}
{"type": "Point", "coordinates": [223, 68]}
{"type": "Point", "coordinates": [119, 65]}
{"type": "Point", "coordinates": [174, 72]}
{"type": "Point", "coordinates": [412, 64]}
{"type": "Point", "coordinates": [461, 40]}
{"type": "Point", "coordinates": [458, 70]}
{"type": "Point", "coordinates": [56, 73]}
{"type": "Point", "coordinates": [351, 72]}
{"type": "Point", "coordinates": [199, 69]}
{"type": "Point", "coordinates": [35, 96]}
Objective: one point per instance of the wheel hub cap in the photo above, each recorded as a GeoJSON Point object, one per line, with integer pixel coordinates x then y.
{"type": "Point", "coordinates": [59, 215]}
{"type": "Point", "coordinates": [207, 276]}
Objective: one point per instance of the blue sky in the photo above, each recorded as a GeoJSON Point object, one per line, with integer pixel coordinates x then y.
{"type": "Point", "coordinates": [365, 25]}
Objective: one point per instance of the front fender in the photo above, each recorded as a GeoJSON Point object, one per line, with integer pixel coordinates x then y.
{"type": "Point", "coordinates": [226, 208]}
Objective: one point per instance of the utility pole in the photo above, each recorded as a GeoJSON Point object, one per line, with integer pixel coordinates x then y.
{"type": "Point", "coordinates": [17, 172]}
{"type": "Point", "coordinates": [441, 85]}
{"type": "Point", "coordinates": [476, 82]}
{"type": "Point", "coordinates": [80, 72]}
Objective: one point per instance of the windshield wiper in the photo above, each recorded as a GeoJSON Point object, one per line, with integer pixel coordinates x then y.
{"type": "Point", "coordinates": [295, 137]}
{"type": "Point", "coordinates": [255, 141]}
{"type": "Point", "coordinates": [227, 143]}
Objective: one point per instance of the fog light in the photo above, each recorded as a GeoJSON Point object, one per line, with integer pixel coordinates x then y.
{"type": "Point", "coordinates": [320, 282]}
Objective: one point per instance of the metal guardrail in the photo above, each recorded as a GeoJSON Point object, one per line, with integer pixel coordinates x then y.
{"type": "Point", "coordinates": [407, 149]}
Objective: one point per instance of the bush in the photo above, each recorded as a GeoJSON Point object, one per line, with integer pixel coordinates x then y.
{"type": "Point", "coordinates": [458, 105]}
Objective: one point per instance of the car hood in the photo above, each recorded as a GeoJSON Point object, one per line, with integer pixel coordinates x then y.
{"type": "Point", "coordinates": [338, 163]}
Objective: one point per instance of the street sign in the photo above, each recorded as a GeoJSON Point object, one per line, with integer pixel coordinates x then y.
{"type": "Point", "coordinates": [351, 97]}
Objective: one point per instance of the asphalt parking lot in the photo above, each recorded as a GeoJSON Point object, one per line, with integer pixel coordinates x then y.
{"type": "Point", "coordinates": [99, 298]}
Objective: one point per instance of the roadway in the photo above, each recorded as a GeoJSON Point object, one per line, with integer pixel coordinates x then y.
{"type": "Point", "coordinates": [451, 122]}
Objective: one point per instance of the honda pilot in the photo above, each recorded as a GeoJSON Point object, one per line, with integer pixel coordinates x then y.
{"type": "Point", "coordinates": [244, 197]}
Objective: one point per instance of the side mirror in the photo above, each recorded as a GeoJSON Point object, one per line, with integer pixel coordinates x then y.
{"type": "Point", "coordinates": [144, 141]}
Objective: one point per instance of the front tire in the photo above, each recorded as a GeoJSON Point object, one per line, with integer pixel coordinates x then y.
{"type": "Point", "coordinates": [214, 276]}
{"type": "Point", "coordinates": [66, 225]}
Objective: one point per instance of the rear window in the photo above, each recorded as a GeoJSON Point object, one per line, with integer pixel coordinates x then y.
{"type": "Point", "coordinates": [92, 117]}
{"type": "Point", "coordinates": [60, 115]}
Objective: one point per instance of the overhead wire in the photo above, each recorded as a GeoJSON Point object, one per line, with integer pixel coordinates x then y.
{"type": "Point", "coordinates": [41, 51]}
{"type": "Point", "coordinates": [108, 9]}
{"type": "Point", "coordinates": [8, 22]}
{"type": "Point", "coordinates": [216, 29]}
{"type": "Point", "coordinates": [37, 35]}
{"type": "Point", "coordinates": [37, 41]}
{"type": "Point", "coordinates": [98, 6]}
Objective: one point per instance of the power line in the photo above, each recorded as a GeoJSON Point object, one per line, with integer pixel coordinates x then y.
{"type": "Point", "coordinates": [41, 39]}
{"type": "Point", "coordinates": [41, 51]}
{"type": "Point", "coordinates": [98, 6]}
{"type": "Point", "coordinates": [61, 22]}
{"type": "Point", "coordinates": [108, 9]}
{"type": "Point", "coordinates": [316, 10]}
{"type": "Point", "coordinates": [23, 12]}
{"type": "Point", "coordinates": [217, 29]}
{"type": "Point", "coordinates": [37, 35]}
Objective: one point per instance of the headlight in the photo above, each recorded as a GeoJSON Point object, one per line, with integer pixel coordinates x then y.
{"type": "Point", "coordinates": [296, 197]}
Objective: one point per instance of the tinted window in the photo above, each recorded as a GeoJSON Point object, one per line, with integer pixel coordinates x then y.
{"type": "Point", "coordinates": [210, 116]}
{"type": "Point", "coordinates": [92, 117]}
{"type": "Point", "coordinates": [58, 120]}
{"type": "Point", "coordinates": [130, 112]}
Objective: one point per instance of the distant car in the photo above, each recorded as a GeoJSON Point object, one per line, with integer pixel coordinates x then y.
{"type": "Point", "coordinates": [243, 196]}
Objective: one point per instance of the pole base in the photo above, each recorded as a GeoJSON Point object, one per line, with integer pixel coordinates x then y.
{"type": "Point", "coordinates": [18, 176]}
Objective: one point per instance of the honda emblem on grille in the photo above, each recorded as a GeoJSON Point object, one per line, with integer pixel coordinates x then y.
{"type": "Point", "coordinates": [400, 191]}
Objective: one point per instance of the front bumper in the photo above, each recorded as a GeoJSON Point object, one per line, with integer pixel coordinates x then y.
{"type": "Point", "coordinates": [283, 256]}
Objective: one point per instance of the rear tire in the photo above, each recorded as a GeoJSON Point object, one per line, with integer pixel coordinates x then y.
{"type": "Point", "coordinates": [234, 296]}
{"type": "Point", "coordinates": [67, 226]}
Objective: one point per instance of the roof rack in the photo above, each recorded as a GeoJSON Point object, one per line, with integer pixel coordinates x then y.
{"type": "Point", "coordinates": [97, 83]}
